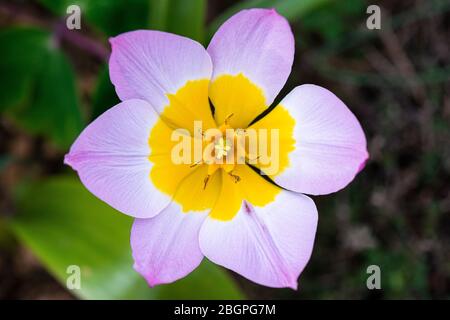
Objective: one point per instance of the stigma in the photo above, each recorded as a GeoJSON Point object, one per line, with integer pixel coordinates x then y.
{"type": "Point", "coordinates": [224, 151]}
{"type": "Point", "coordinates": [222, 148]}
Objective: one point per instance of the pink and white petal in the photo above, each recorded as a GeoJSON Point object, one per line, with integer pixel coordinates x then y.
{"type": "Point", "coordinates": [269, 245]}
{"type": "Point", "coordinates": [257, 43]}
{"type": "Point", "coordinates": [330, 147]}
{"type": "Point", "coordinates": [165, 248]}
{"type": "Point", "coordinates": [111, 158]}
{"type": "Point", "coordinates": [149, 65]}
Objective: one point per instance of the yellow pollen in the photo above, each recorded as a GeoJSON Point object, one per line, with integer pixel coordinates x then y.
{"type": "Point", "coordinates": [218, 179]}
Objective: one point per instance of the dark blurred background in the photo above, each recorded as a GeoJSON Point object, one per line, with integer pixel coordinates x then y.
{"type": "Point", "coordinates": [395, 214]}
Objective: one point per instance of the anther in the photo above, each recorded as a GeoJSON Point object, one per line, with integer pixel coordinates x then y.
{"type": "Point", "coordinates": [235, 177]}
{"type": "Point", "coordinates": [228, 118]}
{"type": "Point", "coordinates": [254, 159]}
{"type": "Point", "coordinates": [195, 164]}
{"type": "Point", "coordinates": [205, 182]}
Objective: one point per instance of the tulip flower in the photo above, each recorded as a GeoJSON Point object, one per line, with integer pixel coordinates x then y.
{"type": "Point", "coordinates": [259, 224]}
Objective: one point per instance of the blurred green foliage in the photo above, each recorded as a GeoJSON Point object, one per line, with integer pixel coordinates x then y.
{"type": "Point", "coordinates": [105, 16]}
{"type": "Point", "coordinates": [64, 224]}
{"type": "Point", "coordinates": [405, 272]}
{"type": "Point", "coordinates": [186, 18]}
{"type": "Point", "coordinates": [332, 21]}
{"type": "Point", "coordinates": [31, 67]}
{"type": "Point", "coordinates": [104, 95]}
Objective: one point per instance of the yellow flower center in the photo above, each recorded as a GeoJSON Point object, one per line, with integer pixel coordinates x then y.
{"type": "Point", "coordinates": [218, 180]}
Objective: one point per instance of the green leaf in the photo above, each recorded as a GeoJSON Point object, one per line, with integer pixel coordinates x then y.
{"type": "Point", "coordinates": [22, 52]}
{"type": "Point", "coordinates": [158, 14]}
{"type": "Point", "coordinates": [186, 18]}
{"type": "Point", "coordinates": [54, 109]}
{"type": "Point", "coordinates": [38, 85]}
{"type": "Point", "coordinates": [65, 225]}
{"type": "Point", "coordinates": [110, 17]}
{"type": "Point", "coordinates": [104, 96]}
{"type": "Point", "coordinates": [337, 19]}
{"type": "Point", "coordinates": [182, 17]}
{"type": "Point", "coordinates": [291, 9]}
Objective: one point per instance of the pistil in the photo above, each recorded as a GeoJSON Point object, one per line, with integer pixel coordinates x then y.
{"type": "Point", "coordinates": [225, 151]}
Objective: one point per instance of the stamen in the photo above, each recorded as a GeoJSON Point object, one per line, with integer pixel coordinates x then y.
{"type": "Point", "coordinates": [236, 177]}
{"type": "Point", "coordinates": [254, 159]}
{"type": "Point", "coordinates": [205, 182]}
{"type": "Point", "coordinates": [228, 118]}
{"type": "Point", "coordinates": [202, 133]}
{"type": "Point", "coordinates": [195, 164]}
